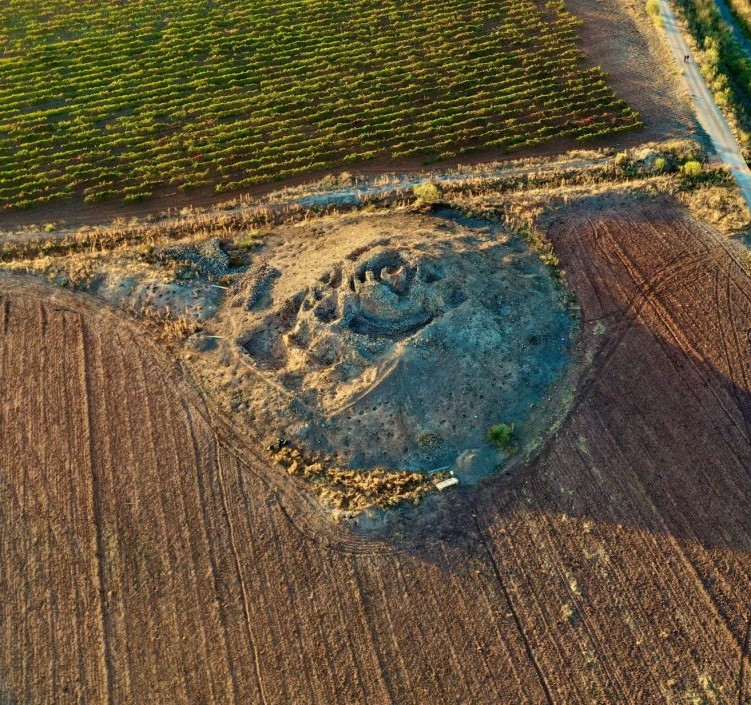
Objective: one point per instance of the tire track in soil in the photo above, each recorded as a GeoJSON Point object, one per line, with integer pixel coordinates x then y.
{"type": "Point", "coordinates": [209, 680]}
{"type": "Point", "coordinates": [650, 292]}
{"type": "Point", "coordinates": [517, 621]}
{"type": "Point", "coordinates": [684, 344]}
{"type": "Point", "coordinates": [646, 288]}
{"type": "Point", "coordinates": [241, 580]}
{"type": "Point", "coordinates": [615, 681]}
{"type": "Point", "coordinates": [743, 382]}
{"type": "Point", "coordinates": [692, 354]}
{"type": "Point", "coordinates": [726, 352]}
{"type": "Point", "coordinates": [203, 494]}
{"type": "Point", "coordinates": [661, 314]}
{"type": "Point", "coordinates": [728, 273]}
{"type": "Point", "coordinates": [674, 332]}
{"type": "Point", "coordinates": [86, 373]}
{"type": "Point", "coordinates": [6, 313]}
{"type": "Point", "coordinates": [743, 659]}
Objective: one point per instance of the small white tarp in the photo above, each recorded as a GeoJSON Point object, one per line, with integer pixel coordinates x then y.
{"type": "Point", "coordinates": [448, 482]}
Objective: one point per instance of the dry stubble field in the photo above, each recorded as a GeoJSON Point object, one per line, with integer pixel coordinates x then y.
{"type": "Point", "coordinates": [146, 555]}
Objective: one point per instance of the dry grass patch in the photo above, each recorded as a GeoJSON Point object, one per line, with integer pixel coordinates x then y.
{"type": "Point", "coordinates": [356, 490]}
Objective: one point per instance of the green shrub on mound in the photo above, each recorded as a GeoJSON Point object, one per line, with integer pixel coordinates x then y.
{"type": "Point", "coordinates": [501, 435]}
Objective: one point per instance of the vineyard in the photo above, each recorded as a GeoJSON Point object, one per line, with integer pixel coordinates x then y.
{"type": "Point", "coordinates": [114, 100]}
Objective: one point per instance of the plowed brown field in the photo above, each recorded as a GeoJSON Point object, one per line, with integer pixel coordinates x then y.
{"type": "Point", "coordinates": [146, 556]}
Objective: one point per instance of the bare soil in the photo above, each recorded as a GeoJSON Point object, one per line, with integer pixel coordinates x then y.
{"type": "Point", "coordinates": [392, 340]}
{"type": "Point", "coordinates": [149, 555]}
{"type": "Point", "coordinates": [620, 37]}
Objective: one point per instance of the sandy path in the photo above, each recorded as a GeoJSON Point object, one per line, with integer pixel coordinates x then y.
{"type": "Point", "coordinates": [707, 112]}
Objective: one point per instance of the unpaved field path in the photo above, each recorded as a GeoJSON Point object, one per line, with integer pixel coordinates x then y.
{"type": "Point", "coordinates": [708, 114]}
{"type": "Point", "coordinates": [328, 196]}
{"type": "Point", "coordinates": [148, 555]}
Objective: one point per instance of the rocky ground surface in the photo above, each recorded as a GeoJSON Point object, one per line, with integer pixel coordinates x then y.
{"type": "Point", "coordinates": [394, 340]}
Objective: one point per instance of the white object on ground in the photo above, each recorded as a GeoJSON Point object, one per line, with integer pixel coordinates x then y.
{"type": "Point", "coordinates": [448, 482]}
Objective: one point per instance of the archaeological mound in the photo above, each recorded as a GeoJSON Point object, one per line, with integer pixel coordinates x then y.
{"type": "Point", "coordinates": [399, 340]}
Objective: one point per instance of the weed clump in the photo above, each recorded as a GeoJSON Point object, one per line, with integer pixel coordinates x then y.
{"type": "Point", "coordinates": [501, 435]}
{"type": "Point", "coordinates": [354, 490]}
{"type": "Point", "coordinates": [172, 329]}
{"type": "Point", "coordinates": [653, 10]}
{"type": "Point", "coordinates": [691, 168]}
{"type": "Point", "coordinates": [427, 193]}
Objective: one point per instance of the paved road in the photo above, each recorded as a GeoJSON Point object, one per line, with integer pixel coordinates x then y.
{"type": "Point", "coordinates": [707, 112]}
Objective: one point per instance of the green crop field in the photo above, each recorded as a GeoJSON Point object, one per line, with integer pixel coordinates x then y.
{"type": "Point", "coordinates": [113, 99]}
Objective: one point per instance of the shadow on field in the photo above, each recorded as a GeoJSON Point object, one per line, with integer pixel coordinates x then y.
{"type": "Point", "coordinates": [658, 440]}
{"type": "Point", "coordinates": [642, 496]}
{"type": "Point", "coordinates": [659, 434]}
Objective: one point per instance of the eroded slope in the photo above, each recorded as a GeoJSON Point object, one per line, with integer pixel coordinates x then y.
{"type": "Point", "coordinates": [394, 340]}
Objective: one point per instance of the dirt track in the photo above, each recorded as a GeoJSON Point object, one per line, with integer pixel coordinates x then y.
{"type": "Point", "coordinates": [707, 111]}
{"type": "Point", "coordinates": [141, 561]}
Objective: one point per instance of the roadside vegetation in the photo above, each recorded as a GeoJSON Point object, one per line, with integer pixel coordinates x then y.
{"type": "Point", "coordinates": [742, 13]}
{"type": "Point", "coordinates": [724, 64]}
{"type": "Point", "coordinates": [675, 167]}
{"type": "Point", "coordinates": [115, 100]}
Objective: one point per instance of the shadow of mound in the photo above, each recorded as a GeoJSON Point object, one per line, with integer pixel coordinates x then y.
{"type": "Point", "coordinates": [637, 509]}
{"type": "Point", "coordinates": [659, 433]}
